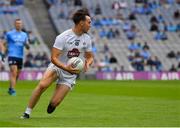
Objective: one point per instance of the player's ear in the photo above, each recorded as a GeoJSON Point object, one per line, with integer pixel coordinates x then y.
{"type": "Point", "coordinates": [81, 23]}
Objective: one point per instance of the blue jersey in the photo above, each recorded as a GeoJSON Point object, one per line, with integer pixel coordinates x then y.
{"type": "Point", "coordinates": [16, 41]}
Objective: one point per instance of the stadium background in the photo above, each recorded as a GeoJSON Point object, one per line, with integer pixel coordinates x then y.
{"type": "Point", "coordinates": [132, 40]}
{"type": "Point", "coordinates": [128, 36]}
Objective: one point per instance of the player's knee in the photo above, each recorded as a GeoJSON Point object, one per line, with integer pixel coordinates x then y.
{"type": "Point", "coordinates": [42, 86]}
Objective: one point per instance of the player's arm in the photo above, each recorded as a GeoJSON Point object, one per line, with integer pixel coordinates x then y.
{"type": "Point", "coordinates": [89, 58]}
{"type": "Point", "coordinates": [27, 43]}
{"type": "Point", "coordinates": [55, 55]}
{"type": "Point", "coordinates": [3, 49]}
{"type": "Point", "coordinates": [3, 46]}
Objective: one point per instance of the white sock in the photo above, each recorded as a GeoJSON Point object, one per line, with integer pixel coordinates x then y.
{"type": "Point", "coordinates": [28, 110]}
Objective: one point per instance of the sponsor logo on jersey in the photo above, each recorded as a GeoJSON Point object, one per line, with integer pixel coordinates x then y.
{"type": "Point", "coordinates": [73, 53]}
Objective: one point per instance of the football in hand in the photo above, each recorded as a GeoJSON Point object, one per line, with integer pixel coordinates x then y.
{"type": "Point", "coordinates": [76, 63]}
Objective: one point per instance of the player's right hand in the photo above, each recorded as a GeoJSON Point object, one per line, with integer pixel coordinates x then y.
{"type": "Point", "coordinates": [2, 57]}
{"type": "Point", "coordinates": [72, 70]}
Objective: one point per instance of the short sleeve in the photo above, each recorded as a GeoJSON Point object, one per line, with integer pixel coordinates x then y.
{"type": "Point", "coordinates": [59, 42]}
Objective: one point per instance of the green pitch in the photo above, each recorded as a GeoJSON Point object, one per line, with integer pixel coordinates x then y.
{"type": "Point", "coordinates": [97, 103]}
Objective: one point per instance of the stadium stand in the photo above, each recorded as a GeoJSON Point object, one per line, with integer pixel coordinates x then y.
{"type": "Point", "coordinates": [11, 10]}
{"type": "Point", "coordinates": [118, 23]}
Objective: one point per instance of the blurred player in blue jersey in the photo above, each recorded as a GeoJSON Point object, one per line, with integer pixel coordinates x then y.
{"type": "Point", "coordinates": [16, 40]}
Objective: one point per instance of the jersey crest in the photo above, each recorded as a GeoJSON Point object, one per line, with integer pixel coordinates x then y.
{"type": "Point", "coordinates": [77, 42]}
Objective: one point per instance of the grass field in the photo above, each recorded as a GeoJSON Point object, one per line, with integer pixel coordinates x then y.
{"type": "Point", "coordinates": [97, 103]}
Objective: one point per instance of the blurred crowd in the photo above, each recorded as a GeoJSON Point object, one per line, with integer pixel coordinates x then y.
{"type": "Point", "coordinates": [113, 27]}
{"type": "Point", "coordinates": [9, 6]}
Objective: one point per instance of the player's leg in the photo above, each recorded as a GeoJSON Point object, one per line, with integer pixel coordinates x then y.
{"type": "Point", "coordinates": [58, 96]}
{"type": "Point", "coordinates": [15, 65]}
{"type": "Point", "coordinates": [18, 72]}
{"type": "Point", "coordinates": [13, 76]}
{"type": "Point", "coordinates": [48, 77]}
{"type": "Point", "coordinates": [19, 66]}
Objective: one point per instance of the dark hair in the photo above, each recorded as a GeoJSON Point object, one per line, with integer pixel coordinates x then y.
{"type": "Point", "coordinates": [17, 19]}
{"type": "Point", "coordinates": [80, 15]}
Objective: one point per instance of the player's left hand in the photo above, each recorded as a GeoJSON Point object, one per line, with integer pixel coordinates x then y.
{"type": "Point", "coordinates": [72, 70]}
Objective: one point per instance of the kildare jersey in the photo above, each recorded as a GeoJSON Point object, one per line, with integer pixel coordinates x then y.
{"type": "Point", "coordinates": [72, 45]}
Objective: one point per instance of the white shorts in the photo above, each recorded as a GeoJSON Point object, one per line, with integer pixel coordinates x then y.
{"type": "Point", "coordinates": [64, 77]}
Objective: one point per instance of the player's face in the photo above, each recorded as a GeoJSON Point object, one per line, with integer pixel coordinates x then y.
{"type": "Point", "coordinates": [86, 24]}
{"type": "Point", "coordinates": [18, 25]}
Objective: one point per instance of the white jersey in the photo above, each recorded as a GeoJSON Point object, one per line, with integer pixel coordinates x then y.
{"type": "Point", "coordinates": [72, 45]}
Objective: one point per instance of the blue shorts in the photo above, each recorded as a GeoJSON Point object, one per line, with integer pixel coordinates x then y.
{"type": "Point", "coordinates": [15, 61]}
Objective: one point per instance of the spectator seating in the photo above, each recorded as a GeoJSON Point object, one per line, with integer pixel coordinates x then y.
{"type": "Point", "coordinates": [7, 23]}
{"type": "Point", "coordinates": [119, 46]}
